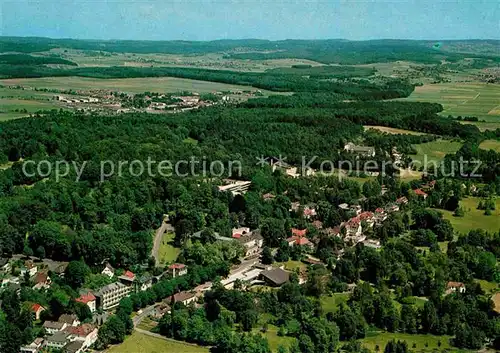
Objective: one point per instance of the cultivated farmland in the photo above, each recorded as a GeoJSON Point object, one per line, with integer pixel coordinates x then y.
{"type": "Point", "coordinates": [466, 99]}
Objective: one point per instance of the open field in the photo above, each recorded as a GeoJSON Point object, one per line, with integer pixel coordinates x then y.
{"type": "Point", "coordinates": [474, 218]}
{"type": "Point", "coordinates": [129, 85]}
{"type": "Point", "coordinates": [466, 99]}
{"type": "Point", "coordinates": [391, 130]}
{"type": "Point", "coordinates": [488, 287]}
{"type": "Point", "coordinates": [214, 61]}
{"type": "Point", "coordinates": [490, 145]}
{"type": "Point", "coordinates": [484, 125]}
{"type": "Point", "coordinates": [381, 339]}
{"type": "Point", "coordinates": [168, 253]}
{"type": "Point", "coordinates": [274, 340]}
{"type": "Point", "coordinates": [141, 343]}
{"type": "Point", "coordinates": [331, 304]}
{"type": "Point", "coordinates": [10, 108]}
{"type": "Point", "coordinates": [435, 150]}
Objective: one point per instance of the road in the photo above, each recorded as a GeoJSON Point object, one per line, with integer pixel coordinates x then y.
{"type": "Point", "coordinates": [245, 265]}
{"type": "Point", "coordinates": [165, 227]}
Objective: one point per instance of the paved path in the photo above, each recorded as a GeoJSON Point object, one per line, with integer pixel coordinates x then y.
{"type": "Point", "coordinates": [165, 227]}
{"type": "Point", "coordinates": [152, 334]}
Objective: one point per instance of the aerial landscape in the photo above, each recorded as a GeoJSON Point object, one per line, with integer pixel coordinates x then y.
{"type": "Point", "coordinates": [254, 177]}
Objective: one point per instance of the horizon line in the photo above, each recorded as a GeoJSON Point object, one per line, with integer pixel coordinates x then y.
{"type": "Point", "coordinates": [256, 39]}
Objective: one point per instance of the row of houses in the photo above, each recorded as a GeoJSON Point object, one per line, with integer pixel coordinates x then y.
{"type": "Point", "coordinates": [67, 335]}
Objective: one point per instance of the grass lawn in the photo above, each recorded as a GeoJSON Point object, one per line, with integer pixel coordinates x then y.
{"type": "Point", "coordinates": [474, 218]}
{"type": "Point", "coordinates": [167, 252]}
{"type": "Point", "coordinates": [490, 145]}
{"type": "Point", "coordinates": [291, 265]}
{"type": "Point", "coordinates": [465, 99]}
{"type": "Point", "coordinates": [381, 339]}
{"type": "Point", "coordinates": [9, 105]}
{"type": "Point", "coordinates": [391, 130]}
{"type": "Point", "coordinates": [435, 150]}
{"type": "Point", "coordinates": [274, 340]}
{"type": "Point", "coordinates": [147, 324]}
{"type": "Point", "coordinates": [331, 303]}
{"type": "Point", "coordinates": [129, 85]}
{"type": "Point", "coordinates": [140, 343]}
{"type": "Point", "coordinates": [488, 287]}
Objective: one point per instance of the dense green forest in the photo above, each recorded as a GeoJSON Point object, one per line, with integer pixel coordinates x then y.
{"type": "Point", "coordinates": [325, 51]}
{"type": "Point", "coordinates": [275, 81]}
{"type": "Point", "coordinates": [24, 59]}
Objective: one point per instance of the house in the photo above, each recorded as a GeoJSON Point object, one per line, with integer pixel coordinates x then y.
{"type": "Point", "coordinates": [109, 296]}
{"type": "Point", "coordinates": [144, 283]}
{"type": "Point", "coordinates": [420, 193]}
{"type": "Point", "coordinates": [360, 150]}
{"type": "Point", "coordinates": [41, 280]}
{"type": "Point", "coordinates": [86, 333]}
{"type": "Point", "coordinates": [183, 297]}
{"type": "Point", "coordinates": [356, 209]}
{"type": "Point", "coordinates": [52, 327]}
{"type": "Point", "coordinates": [30, 268]}
{"type": "Point", "coordinates": [127, 278]}
{"type": "Point", "coordinates": [275, 277]}
{"type": "Point", "coordinates": [5, 266]}
{"type": "Point", "coordinates": [240, 231]}
{"type": "Point", "coordinates": [495, 298]}
{"type": "Point", "coordinates": [37, 309]}
{"type": "Point", "coordinates": [69, 319]}
{"type": "Point", "coordinates": [298, 238]}
{"type": "Point", "coordinates": [58, 340]}
{"type": "Point", "coordinates": [452, 287]}
{"type": "Point", "coordinates": [268, 196]}
{"type": "Point", "coordinates": [299, 232]}
{"type": "Point", "coordinates": [353, 227]}
{"type": "Point", "coordinates": [74, 347]}
{"type": "Point", "coordinates": [372, 243]}
{"type": "Point", "coordinates": [160, 310]}
{"type": "Point", "coordinates": [108, 271]}
{"type": "Point", "coordinates": [177, 270]}
{"type": "Point", "coordinates": [344, 206]}
{"type": "Point", "coordinates": [309, 212]}
{"type": "Point", "coordinates": [317, 224]}
{"type": "Point", "coordinates": [89, 299]}
{"type": "Point", "coordinates": [252, 241]}
{"type": "Point", "coordinates": [367, 217]}
{"type": "Point", "coordinates": [402, 200]}
{"type": "Point", "coordinates": [33, 347]}
{"type": "Point", "coordinates": [301, 241]}
{"type": "Point", "coordinates": [235, 186]}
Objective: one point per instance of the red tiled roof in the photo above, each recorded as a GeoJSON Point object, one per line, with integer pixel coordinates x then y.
{"type": "Point", "coordinates": [176, 266]}
{"type": "Point", "coordinates": [81, 331]}
{"type": "Point", "coordinates": [309, 211]}
{"type": "Point", "coordinates": [299, 233]}
{"type": "Point", "coordinates": [85, 298]}
{"type": "Point", "coordinates": [302, 241]}
{"type": "Point", "coordinates": [420, 192]}
{"type": "Point", "coordinates": [36, 307]}
{"type": "Point", "coordinates": [365, 215]}
{"type": "Point", "coordinates": [236, 235]}
{"type": "Point", "coordinates": [379, 210]}
{"type": "Point", "coordinates": [129, 274]}
{"type": "Point", "coordinates": [455, 285]}
{"type": "Point", "coordinates": [41, 277]}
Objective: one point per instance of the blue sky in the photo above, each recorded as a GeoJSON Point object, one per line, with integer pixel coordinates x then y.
{"type": "Point", "coordinates": [272, 19]}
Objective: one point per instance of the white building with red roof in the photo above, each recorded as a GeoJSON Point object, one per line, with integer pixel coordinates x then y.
{"type": "Point", "coordinates": [177, 270]}
{"type": "Point", "coordinates": [89, 299]}
{"type": "Point", "coordinates": [37, 309]}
